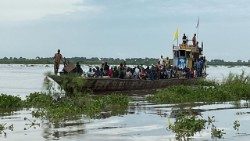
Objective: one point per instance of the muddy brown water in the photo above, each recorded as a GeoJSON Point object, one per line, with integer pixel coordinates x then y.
{"type": "Point", "coordinates": [142, 121]}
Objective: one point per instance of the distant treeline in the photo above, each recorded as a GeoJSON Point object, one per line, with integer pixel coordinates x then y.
{"type": "Point", "coordinates": [81, 60]}
{"type": "Point", "coordinates": [115, 61]}
{"type": "Point", "coordinates": [220, 62]}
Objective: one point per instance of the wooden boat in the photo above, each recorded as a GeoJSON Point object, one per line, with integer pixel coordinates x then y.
{"type": "Point", "coordinates": [184, 56]}
{"type": "Point", "coordinates": [116, 84]}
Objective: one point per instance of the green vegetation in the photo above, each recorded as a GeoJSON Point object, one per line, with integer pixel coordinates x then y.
{"type": "Point", "coordinates": [10, 102]}
{"type": "Point", "coordinates": [236, 125]}
{"type": "Point", "coordinates": [60, 107]}
{"type": "Point", "coordinates": [1, 128]}
{"type": "Point", "coordinates": [38, 100]}
{"type": "Point", "coordinates": [72, 84]}
{"type": "Point", "coordinates": [76, 103]}
{"type": "Point", "coordinates": [4, 127]}
{"type": "Point", "coordinates": [217, 133]}
{"type": "Point", "coordinates": [81, 60]}
{"type": "Point", "coordinates": [67, 108]}
{"type": "Point", "coordinates": [114, 61]}
{"type": "Point", "coordinates": [233, 88]}
{"type": "Point", "coordinates": [187, 126]}
{"type": "Point", "coordinates": [220, 62]}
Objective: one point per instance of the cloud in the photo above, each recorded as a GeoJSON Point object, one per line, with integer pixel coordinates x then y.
{"type": "Point", "coordinates": [207, 7]}
{"type": "Point", "coordinates": [26, 10]}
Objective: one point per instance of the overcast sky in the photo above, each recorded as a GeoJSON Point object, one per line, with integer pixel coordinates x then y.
{"type": "Point", "coordinates": [122, 28]}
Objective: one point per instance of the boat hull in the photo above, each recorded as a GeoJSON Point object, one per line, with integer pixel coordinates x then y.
{"type": "Point", "coordinates": [116, 84]}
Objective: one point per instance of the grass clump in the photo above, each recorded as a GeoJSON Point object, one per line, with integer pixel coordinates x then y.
{"type": "Point", "coordinates": [67, 108]}
{"type": "Point", "coordinates": [38, 100]}
{"type": "Point", "coordinates": [113, 104]}
{"type": "Point", "coordinates": [10, 102]}
{"type": "Point", "coordinates": [71, 83]}
{"type": "Point", "coordinates": [233, 88]}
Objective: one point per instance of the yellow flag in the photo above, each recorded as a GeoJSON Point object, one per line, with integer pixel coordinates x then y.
{"type": "Point", "coordinates": [176, 34]}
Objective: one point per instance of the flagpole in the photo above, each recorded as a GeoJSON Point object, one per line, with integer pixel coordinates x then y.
{"type": "Point", "coordinates": [197, 33]}
{"type": "Point", "coordinates": [177, 36]}
{"type": "Point", "coordinates": [177, 41]}
{"type": "Point", "coordinates": [197, 27]}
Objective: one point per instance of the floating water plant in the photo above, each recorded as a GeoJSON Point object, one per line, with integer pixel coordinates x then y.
{"type": "Point", "coordinates": [10, 102]}
{"type": "Point", "coordinates": [1, 128]}
{"type": "Point", "coordinates": [74, 107]}
{"type": "Point", "coordinates": [217, 133]}
{"type": "Point", "coordinates": [187, 126]}
{"type": "Point", "coordinates": [233, 88]}
{"type": "Point", "coordinates": [236, 125]}
{"type": "Point", "coordinates": [4, 127]}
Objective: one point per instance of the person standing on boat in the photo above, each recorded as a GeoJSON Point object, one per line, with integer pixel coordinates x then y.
{"type": "Point", "coordinates": [161, 60]}
{"type": "Point", "coordinates": [194, 40]}
{"type": "Point", "coordinates": [167, 63]}
{"type": "Point", "coordinates": [57, 60]}
{"type": "Point", "coordinates": [184, 39]}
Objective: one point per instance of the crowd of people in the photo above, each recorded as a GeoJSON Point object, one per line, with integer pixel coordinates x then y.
{"type": "Point", "coordinates": [125, 72]}
{"type": "Point", "coordinates": [162, 70]}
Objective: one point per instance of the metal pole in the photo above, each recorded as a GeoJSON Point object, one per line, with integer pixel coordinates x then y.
{"type": "Point", "coordinates": [177, 41]}
{"type": "Point", "coordinates": [197, 32]}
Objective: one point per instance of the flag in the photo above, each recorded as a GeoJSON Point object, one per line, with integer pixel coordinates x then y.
{"type": "Point", "coordinates": [198, 22]}
{"type": "Point", "coordinates": [176, 34]}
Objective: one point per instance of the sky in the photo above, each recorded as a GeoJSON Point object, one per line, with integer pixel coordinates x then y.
{"type": "Point", "coordinates": [122, 28]}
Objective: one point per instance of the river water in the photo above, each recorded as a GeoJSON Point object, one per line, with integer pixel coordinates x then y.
{"type": "Point", "coordinates": [143, 121]}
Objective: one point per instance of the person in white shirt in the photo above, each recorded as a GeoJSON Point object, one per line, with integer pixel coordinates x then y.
{"type": "Point", "coordinates": [161, 60]}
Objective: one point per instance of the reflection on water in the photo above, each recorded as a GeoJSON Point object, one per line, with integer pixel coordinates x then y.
{"type": "Point", "coordinates": [57, 131]}
{"type": "Point", "coordinates": [142, 121]}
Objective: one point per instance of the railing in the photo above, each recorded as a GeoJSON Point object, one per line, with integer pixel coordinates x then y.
{"type": "Point", "coordinates": [187, 47]}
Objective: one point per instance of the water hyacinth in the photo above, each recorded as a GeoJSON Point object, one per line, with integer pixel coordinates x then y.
{"type": "Point", "coordinates": [67, 108]}
{"type": "Point", "coordinates": [10, 102]}
{"type": "Point", "coordinates": [233, 88]}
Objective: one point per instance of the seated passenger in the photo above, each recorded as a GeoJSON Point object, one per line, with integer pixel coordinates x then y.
{"type": "Point", "coordinates": [128, 74]}
{"type": "Point", "coordinates": [97, 72]}
{"type": "Point", "coordinates": [161, 60]}
{"type": "Point", "coordinates": [143, 74]}
{"type": "Point", "coordinates": [116, 72]}
{"type": "Point", "coordinates": [78, 69]}
{"type": "Point", "coordinates": [90, 73]}
{"type": "Point", "coordinates": [121, 71]}
{"type": "Point", "coordinates": [111, 72]}
{"type": "Point", "coordinates": [167, 62]}
{"type": "Point", "coordinates": [136, 72]}
{"type": "Point", "coordinates": [106, 68]}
